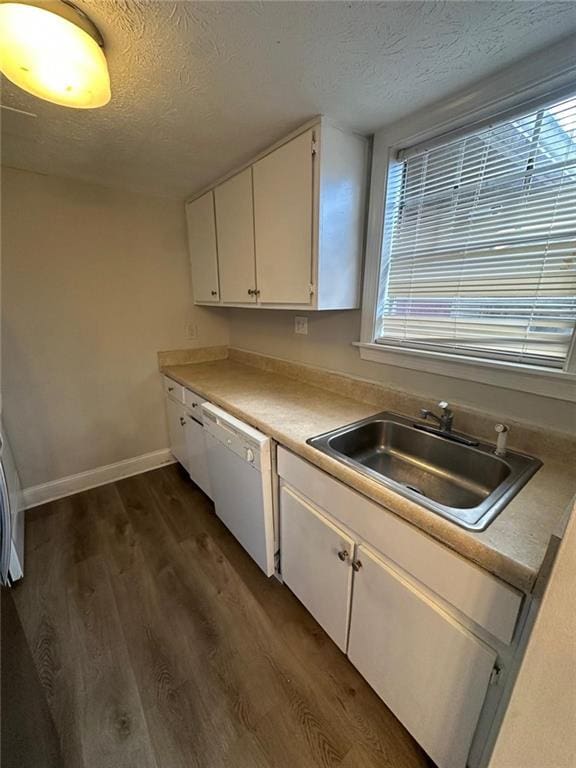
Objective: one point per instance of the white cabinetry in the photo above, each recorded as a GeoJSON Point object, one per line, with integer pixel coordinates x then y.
{"type": "Point", "coordinates": [176, 413]}
{"type": "Point", "coordinates": [315, 564]}
{"type": "Point", "coordinates": [235, 233]}
{"type": "Point", "coordinates": [186, 432]}
{"type": "Point", "coordinates": [203, 251]}
{"type": "Point", "coordinates": [289, 228]}
{"type": "Point", "coordinates": [196, 454]}
{"type": "Point", "coordinates": [424, 626]}
{"type": "Point", "coordinates": [283, 200]}
{"type": "Point", "coordinates": [473, 592]}
{"type": "Point", "coordinates": [430, 671]}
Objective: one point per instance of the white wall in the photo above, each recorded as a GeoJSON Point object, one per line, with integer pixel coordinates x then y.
{"type": "Point", "coordinates": [329, 343]}
{"type": "Point", "coordinates": [94, 283]}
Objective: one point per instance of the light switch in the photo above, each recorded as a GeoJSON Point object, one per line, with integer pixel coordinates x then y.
{"type": "Point", "coordinates": [301, 325]}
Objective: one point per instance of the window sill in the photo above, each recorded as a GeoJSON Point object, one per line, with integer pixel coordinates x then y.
{"type": "Point", "coordinates": [558, 385]}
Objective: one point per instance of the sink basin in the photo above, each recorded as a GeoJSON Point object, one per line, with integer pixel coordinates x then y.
{"type": "Point", "coordinates": [455, 476]}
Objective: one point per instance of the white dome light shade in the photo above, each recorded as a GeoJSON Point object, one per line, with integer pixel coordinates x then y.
{"type": "Point", "coordinates": [51, 57]}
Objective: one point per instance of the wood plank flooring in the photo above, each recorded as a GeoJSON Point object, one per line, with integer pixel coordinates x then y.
{"type": "Point", "coordinates": [28, 734]}
{"type": "Point", "coordinates": [160, 644]}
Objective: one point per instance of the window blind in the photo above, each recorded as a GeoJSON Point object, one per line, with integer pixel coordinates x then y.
{"type": "Point", "coordinates": [479, 249]}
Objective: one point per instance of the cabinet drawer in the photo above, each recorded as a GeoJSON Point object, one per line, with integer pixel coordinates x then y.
{"type": "Point", "coordinates": [479, 595]}
{"type": "Point", "coordinates": [194, 402]}
{"type": "Point", "coordinates": [173, 389]}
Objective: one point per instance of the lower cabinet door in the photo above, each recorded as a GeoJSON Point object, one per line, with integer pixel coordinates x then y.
{"type": "Point", "coordinates": [176, 414]}
{"type": "Point", "coordinates": [197, 457]}
{"type": "Point", "coordinates": [316, 561]}
{"type": "Point", "coordinates": [431, 672]}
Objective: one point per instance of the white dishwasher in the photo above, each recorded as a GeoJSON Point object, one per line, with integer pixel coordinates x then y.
{"type": "Point", "coordinates": [240, 463]}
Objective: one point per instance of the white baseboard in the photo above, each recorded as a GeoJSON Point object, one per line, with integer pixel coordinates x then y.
{"type": "Point", "coordinates": [83, 481]}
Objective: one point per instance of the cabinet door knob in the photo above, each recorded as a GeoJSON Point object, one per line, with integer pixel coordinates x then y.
{"type": "Point", "coordinates": [170, 389]}
{"type": "Point", "coordinates": [356, 565]}
{"type": "Point", "coordinates": [343, 555]}
{"type": "Point", "coordinates": [182, 420]}
{"type": "Point", "coordinates": [251, 292]}
{"type": "Point", "coordinates": [214, 293]}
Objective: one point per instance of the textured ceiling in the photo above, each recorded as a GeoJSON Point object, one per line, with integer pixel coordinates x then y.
{"type": "Point", "coordinates": [199, 87]}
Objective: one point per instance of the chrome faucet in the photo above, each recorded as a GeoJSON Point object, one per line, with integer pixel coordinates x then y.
{"type": "Point", "coordinates": [444, 420]}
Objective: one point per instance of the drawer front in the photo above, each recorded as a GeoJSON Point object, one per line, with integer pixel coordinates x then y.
{"type": "Point", "coordinates": [173, 389]}
{"type": "Point", "coordinates": [483, 598]}
{"type": "Point", "coordinates": [194, 402]}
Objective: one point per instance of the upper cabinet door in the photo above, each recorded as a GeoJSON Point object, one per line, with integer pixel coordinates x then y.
{"type": "Point", "coordinates": [202, 244]}
{"type": "Point", "coordinates": [430, 671]}
{"type": "Point", "coordinates": [235, 228]}
{"type": "Point", "coordinates": [283, 199]}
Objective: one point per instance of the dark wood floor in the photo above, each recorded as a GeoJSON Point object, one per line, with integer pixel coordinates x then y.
{"type": "Point", "coordinates": [160, 644]}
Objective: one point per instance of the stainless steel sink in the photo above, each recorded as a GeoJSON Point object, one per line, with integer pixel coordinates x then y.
{"type": "Point", "coordinates": [451, 474]}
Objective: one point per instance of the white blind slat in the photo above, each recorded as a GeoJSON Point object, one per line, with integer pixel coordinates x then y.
{"type": "Point", "coordinates": [479, 250]}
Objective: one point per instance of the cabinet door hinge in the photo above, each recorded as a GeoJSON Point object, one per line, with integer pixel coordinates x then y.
{"type": "Point", "coordinates": [314, 145]}
{"type": "Point", "coordinates": [496, 674]}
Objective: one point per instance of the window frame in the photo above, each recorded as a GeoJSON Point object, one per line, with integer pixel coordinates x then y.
{"type": "Point", "coordinates": [437, 125]}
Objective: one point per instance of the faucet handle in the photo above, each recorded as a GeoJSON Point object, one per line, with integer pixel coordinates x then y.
{"type": "Point", "coordinates": [444, 405]}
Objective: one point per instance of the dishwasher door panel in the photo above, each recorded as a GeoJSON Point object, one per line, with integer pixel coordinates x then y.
{"type": "Point", "coordinates": [243, 502]}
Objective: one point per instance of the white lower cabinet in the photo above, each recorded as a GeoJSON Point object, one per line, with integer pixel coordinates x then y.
{"type": "Point", "coordinates": [176, 413]}
{"type": "Point", "coordinates": [196, 453]}
{"type": "Point", "coordinates": [430, 671]}
{"type": "Point", "coordinates": [186, 433]}
{"type": "Point", "coordinates": [316, 557]}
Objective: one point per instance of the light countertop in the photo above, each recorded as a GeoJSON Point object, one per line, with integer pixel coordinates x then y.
{"type": "Point", "coordinates": [290, 411]}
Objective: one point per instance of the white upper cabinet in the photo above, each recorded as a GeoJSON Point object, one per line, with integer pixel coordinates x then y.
{"type": "Point", "coordinates": [290, 228]}
{"type": "Point", "coordinates": [203, 251]}
{"type": "Point", "coordinates": [283, 195]}
{"type": "Point", "coordinates": [235, 233]}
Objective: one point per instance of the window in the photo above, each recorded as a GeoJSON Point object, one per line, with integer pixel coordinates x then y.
{"type": "Point", "coordinates": [479, 247]}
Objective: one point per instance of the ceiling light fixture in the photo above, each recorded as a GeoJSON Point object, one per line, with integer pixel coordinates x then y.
{"type": "Point", "coordinates": [54, 51]}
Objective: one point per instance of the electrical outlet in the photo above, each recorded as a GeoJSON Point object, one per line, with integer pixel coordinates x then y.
{"type": "Point", "coordinates": [191, 331]}
{"type": "Point", "coordinates": [301, 325]}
